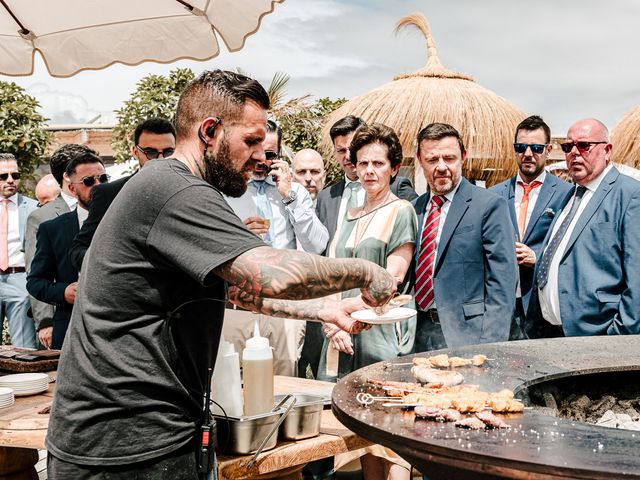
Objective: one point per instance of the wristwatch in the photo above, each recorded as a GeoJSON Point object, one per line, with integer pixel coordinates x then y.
{"type": "Point", "coordinates": [289, 199]}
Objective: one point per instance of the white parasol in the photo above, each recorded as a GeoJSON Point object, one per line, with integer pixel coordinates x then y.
{"type": "Point", "coordinates": [73, 35]}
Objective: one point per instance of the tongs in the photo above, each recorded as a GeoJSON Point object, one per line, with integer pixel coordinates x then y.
{"type": "Point", "coordinates": [251, 462]}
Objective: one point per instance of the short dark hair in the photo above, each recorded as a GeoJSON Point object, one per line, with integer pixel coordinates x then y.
{"type": "Point", "coordinates": [534, 122]}
{"type": "Point", "coordinates": [7, 157]}
{"type": "Point", "coordinates": [345, 126]}
{"type": "Point", "coordinates": [377, 133]}
{"type": "Point", "coordinates": [216, 92]}
{"type": "Point", "coordinates": [63, 155]}
{"type": "Point", "coordinates": [157, 126]}
{"type": "Point", "coordinates": [438, 131]}
{"type": "Point", "coordinates": [82, 160]}
{"type": "Point", "coordinates": [272, 127]}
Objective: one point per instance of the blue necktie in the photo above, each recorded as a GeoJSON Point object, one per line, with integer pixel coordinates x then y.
{"type": "Point", "coordinates": [550, 251]}
{"type": "Point", "coordinates": [263, 205]}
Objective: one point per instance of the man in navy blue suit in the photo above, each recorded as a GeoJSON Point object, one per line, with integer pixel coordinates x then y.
{"type": "Point", "coordinates": [534, 198]}
{"type": "Point", "coordinates": [587, 277]}
{"type": "Point", "coordinates": [465, 263]}
{"type": "Point", "coordinates": [52, 278]}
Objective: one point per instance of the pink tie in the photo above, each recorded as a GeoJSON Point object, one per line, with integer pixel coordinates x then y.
{"type": "Point", "coordinates": [4, 235]}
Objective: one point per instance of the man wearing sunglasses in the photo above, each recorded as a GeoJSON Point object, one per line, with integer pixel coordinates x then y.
{"type": "Point", "coordinates": [534, 197]}
{"type": "Point", "coordinates": [271, 194]}
{"type": "Point", "coordinates": [14, 210]}
{"type": "Point", "coordinates": [587, 277]}
{"type": "Point", "coordinates": [52, 278]}
{"type": "Point", "coordinates": [153, 139]}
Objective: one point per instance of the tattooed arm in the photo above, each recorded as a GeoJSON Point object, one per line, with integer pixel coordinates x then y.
{"type": "Point", "coordinates": [322, 309]}
{"type": "Point", "coordinates": [267, 272]}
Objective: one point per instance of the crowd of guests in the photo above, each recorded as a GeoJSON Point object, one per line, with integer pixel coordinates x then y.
{"type": "Point", "coordinates": [532, 257]}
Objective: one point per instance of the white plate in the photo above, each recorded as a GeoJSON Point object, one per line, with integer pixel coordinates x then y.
{"type": "Point", "coordinates": [23, 378]}
{"type": "Point", "coordinates": [22, 393]}
{"type": "Point", "coordinates": [392, 316]}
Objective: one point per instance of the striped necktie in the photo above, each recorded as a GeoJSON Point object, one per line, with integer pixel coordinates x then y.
{"type": "Point", "coordinates": [426, 260]}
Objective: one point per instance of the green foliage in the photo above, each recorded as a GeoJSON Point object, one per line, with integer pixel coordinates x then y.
{"type": "Point", "coordinates": [155, 96]}
{"type": "Point", "coordinates": [22, 128]}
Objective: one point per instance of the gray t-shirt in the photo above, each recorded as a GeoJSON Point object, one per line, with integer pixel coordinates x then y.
{"type": "Point", "coordinates": [131, 377]}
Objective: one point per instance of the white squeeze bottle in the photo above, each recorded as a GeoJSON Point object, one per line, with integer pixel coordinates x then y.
{"type": "Point", "coordinates": [257, 372]}
{"type": "Point", "coordinates": [226, 387]}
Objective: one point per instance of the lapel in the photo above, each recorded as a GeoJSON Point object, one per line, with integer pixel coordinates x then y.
{"type": "Point", "coordinates": [547, 191]}
{"type": "Point", "coordinates": [420, 205]}
{"type": "Point", "coordinates": [459, 206]}
{"type": "Point", "coordinates": [511, 195]}
{"type": "Point", "coordinates": [335, 197]}
{"type": "Point", "coordinates": [71, 226]}
{"type": "Point", "coordinates": [60, 206]}
{"type": "Point", "coordinates": [592, 207]}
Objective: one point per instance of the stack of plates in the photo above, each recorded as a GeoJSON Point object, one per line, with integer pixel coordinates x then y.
{"type": "Point", "coordinates": [26, 383]}
{"type": "Point", "coordinates": [6, 397]}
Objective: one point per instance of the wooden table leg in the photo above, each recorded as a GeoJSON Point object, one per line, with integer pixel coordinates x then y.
{"type": "Point", "coordinates": [18, 463]}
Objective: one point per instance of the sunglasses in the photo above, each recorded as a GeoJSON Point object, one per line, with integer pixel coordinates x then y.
{"type": "Point", "coordinates": [536, 148]}
{"type": "Point", "coordinates": [90, 181]}
{"type": "Point", "coordinates": [581, 146]}
{"type": "Point", "coordinates": [5, 176]}
{"type": "Point", "coordinates": [271, 156]}
{"type": "Point", "coordinates": [152, 153]}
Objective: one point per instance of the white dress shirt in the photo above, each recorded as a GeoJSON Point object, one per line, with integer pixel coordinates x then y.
{"type": "Point", "coordinates": [16, 255]}
{"type": "Point", "coordinates": [346, 195]}
{"type": "Point", "coordinates": [296, 221]}
{"type": "Point", "coordinates": [533, 196]}
{"type": "Point", "coordinates": [82, 215]}
{"type": "Point", "coordinates": [549, 295]}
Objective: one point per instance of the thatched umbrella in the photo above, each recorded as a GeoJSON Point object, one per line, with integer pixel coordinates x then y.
{"type": "Point", "coordinates": [626, 138]}
{"type": "Point", "coordinates": [435, 94]}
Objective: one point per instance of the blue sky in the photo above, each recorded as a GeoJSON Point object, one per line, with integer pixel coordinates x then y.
{"type": "Point", "coordinates": [563, 59]}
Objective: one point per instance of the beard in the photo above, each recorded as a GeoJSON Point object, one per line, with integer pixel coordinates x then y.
{"type": "Point", "coordinates": [219, 173]}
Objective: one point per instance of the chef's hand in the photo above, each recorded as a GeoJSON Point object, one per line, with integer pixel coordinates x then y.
{"type": "Point", "coordinates": [45, 335]}
{"type": "Point", "coordinates": [381, 288]}
{"type": "Point", "coordinates": [337, 315]}
{"type": "Point", "coordinates": [256, 225]}
{"type": "Point", "coordinates": [70, 293]}
{"type": "Point", "coordinates": [340, 340]}
{"type": "Point", "coordinates": [282, 176]}
{"type": "Point", "coordinates": [525, 255]}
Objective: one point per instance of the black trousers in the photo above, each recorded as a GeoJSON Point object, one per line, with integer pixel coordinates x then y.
{"type": "Point", "coordinates": [429, 334]}
{"type": "Point", "coordinates": [178, 465]}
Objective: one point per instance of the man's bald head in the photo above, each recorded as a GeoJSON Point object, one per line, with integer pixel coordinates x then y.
{"type": "Point", "coordinates": [47, 189]}
{"type": "Point", "coordinates": [590, 150]}
{"type": "Point", "coordinates": [308, 170]}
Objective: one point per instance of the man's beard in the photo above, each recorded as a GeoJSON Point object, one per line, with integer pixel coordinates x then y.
{"type": "Point", "coordinates": [218, 172]}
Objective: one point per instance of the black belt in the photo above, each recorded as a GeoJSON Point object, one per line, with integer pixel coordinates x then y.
{"type": "Point", "coordinates": [432, 316]}
{"type": "Point", "coordinates": [11, 270]}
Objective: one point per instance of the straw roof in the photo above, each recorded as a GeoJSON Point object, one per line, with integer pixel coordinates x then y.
{"type": "Point", "coordinates": [626, 138]}
{"type": "Point", "coordinates": [485, 120]}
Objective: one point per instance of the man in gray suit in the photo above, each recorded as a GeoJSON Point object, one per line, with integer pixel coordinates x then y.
{"type": "Point", "coordinates": [534, 197]}
{"type": "Point", "coordinates": [14, 210]}
{"type": "Point", "coordinates": [43, 312]}
{"type": "Point", "coordinates": [465, 262]}
{"type": "Point", "coordinates": [587, 278]}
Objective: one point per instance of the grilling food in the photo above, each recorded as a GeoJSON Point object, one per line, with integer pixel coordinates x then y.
{"type": "Point", "coordinates": [445, 361]}
{"type": "Point", "coordinates": [472, 423]}
{"type": "Point", "coordinates": [437, 414]}
{"type": "Point", "coordinates": [444, 378]}
{"type": "Point", "coordinates": [490, 420]}
{"type": "Point", "coordinates": [395, 302]}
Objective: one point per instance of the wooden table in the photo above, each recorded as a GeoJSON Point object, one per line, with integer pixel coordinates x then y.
{"type": "Point", "coordinates": [23, 429]}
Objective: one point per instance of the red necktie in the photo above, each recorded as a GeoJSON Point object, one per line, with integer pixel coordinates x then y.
{"type": "Point", "coordinates": [426, 260]}
{"type": "Point", "coordinates": [524, 205]}
{"type": "Point", "coordinates": [4, 234]}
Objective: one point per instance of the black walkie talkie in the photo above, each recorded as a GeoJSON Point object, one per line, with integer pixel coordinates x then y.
{"type": "Point", "coordinates": [207, 437]}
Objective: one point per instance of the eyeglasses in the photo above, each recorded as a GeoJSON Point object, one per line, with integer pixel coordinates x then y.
{"type": "Point", "coordinates": [5, 176]}
{"type": "Point", "coordinates": [536, 148]}
{"type": "Point", "coordinates": [271, 156]}
{"type": "Point", "coordinates": [90, 181]}
{"type": "Point", "coordinates": [581, 146]}
{"type": "Point", "coordinates": [152, 153]}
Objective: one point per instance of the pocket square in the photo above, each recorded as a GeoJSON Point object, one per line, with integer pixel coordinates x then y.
{"type": "Point", "coordinates": [549, 212]}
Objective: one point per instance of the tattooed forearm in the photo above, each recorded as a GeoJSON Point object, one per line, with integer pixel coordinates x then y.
{"type": "Point", "coordinates": [315, 310]}
{"type": "Point", "coordinates": [293, 275]}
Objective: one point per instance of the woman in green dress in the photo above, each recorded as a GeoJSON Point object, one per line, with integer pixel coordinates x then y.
{"type": "Point", "coordinates": [383, 230]}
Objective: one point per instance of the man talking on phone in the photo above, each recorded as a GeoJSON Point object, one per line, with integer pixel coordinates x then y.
{"type": "Point", "coordinates": [281, 212]}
